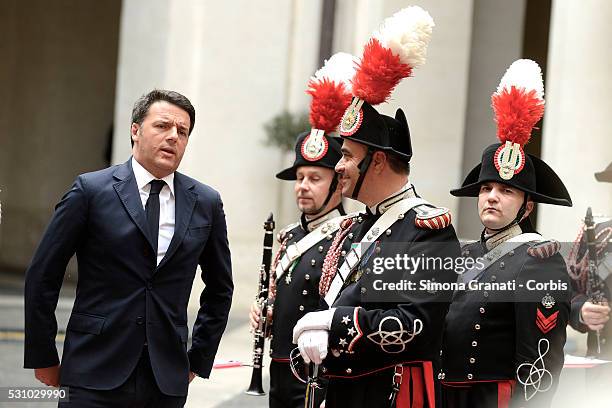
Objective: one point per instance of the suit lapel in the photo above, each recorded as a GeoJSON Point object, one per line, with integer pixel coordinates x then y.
{"type": "Point", "coordinates": [127, 190]}
{"type": "Point", "coordinates": [185, 199]}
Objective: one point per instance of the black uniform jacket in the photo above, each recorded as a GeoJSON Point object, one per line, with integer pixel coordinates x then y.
{"type": "Point", "coordinates": [297, 290]}
{"type": "Point", "coordinates": [376, 326]}
{"type": "Point", "coordinates": [502, 332]}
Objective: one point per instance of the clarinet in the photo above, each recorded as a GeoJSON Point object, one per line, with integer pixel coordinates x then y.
{"type": "Point", "coordinates": [594, 289]}
{"type": "Point", "coordinates": [259, 337]}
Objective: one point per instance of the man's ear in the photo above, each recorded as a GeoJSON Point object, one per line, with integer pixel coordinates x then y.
{"type": "Point", "coordinates": [134, 130]}
{"type": "Point", "coordinates": [379, 160]}
{"type": "Point", "coordinates": [529, 207]}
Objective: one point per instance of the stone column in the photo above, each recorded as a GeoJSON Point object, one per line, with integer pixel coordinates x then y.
{"type": "Point", "coordinates": [577, 138]}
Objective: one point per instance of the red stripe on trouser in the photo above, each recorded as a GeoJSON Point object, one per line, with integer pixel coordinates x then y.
{"type": "Point", "coordinates": [422, 384]}
{"type": "Point", "coordinates": [403, 397]}
{"type": "Point", "coordinates": [430, 387]}
{"type": "Point", "coordinates": [504, 393]}
{"type": "Point", "coordinates": [417, 387]}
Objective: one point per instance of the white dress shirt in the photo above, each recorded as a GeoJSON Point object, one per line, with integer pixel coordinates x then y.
{"type": "Point", "coordinates": [166, 205]}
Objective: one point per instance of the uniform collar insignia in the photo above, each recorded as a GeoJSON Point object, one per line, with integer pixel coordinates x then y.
{"type": "Point", "coordinates": [311, 225]}
{"type": "Point", "coordinates": [405, 192]}
{"type": "Point", "coordinates": [494, 240]}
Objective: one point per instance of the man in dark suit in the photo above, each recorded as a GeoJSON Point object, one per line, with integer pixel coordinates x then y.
{"type": "Point", "coordinates": [139, 230]}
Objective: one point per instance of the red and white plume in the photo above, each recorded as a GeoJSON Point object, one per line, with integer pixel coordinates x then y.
{"type": "Point", "coordinates": [330, 89]}
{"type": "Point", "coordinates": [399, 46]}
{"type": "Point", "coordinates": [518, 103]}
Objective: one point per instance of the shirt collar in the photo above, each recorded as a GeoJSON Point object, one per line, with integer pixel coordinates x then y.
{"type": "Point", "coordinates": [143, 177]}
{"type": "Point", "coordinates": [405, 192]}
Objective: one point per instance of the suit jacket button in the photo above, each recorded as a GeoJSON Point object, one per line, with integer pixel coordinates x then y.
{"type": "Point", "coordinates": [139, 320]}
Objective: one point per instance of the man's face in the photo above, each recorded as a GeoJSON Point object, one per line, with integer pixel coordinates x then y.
{"type": "Point", "coordinates": [498, 204]}
{"type": "Point", "coordinates": [348, 166]}
{"type": "Point", "coordinates": [312, 187]}
{"type": "Point", "coordinates": [160, 142]}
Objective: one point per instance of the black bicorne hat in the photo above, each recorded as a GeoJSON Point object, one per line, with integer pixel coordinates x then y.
{"type": "Point", "coordinates": [536, 178]}
{"type": "Point", "coordinates": [363, 124]}
{"type": "Point", "coordinates": [518, 105]}
{"type": "Point", "coordinates": [313, 148]}
{"type": "Point", "coordinates": [606, 175]}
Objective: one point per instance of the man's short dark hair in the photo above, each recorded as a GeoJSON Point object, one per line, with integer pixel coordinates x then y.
{"type": "Point", "coordinates": [397, 164]}
{"type": "Point", "coordinates": [142, 105]}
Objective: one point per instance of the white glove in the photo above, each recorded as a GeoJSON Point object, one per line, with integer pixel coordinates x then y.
{"type": "Point", "coordinates": [313, 321]}
{"type": "Point", "coordinates": [313, 345]}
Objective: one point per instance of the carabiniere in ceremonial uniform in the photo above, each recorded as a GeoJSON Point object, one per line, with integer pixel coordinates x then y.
{"type": "Point", "coordinates": [296, 275]}
{"type": "Point", "coordinates": [383, 344]}
{"type": "Point", "coordinates": [504, 333]}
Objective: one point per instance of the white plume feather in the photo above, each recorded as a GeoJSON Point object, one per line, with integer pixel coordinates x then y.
{"type": "Point", "coordinates": [407, 34]}
{"type": "Point", "coordinates": [339, 68]}
{"type": "Point", "coordinates": [523, 73]}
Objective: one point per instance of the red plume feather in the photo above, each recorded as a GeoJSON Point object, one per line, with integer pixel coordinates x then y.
{"type": "Point", "coordinates": [329, 101]}
{"type": "Point", "coordinates": [378, 73]}
{"type": "Point", "coordinates": [516, 113]}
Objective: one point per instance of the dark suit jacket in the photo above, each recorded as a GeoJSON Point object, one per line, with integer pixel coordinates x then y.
{"type": "Point", "coordinates": [123, 298]}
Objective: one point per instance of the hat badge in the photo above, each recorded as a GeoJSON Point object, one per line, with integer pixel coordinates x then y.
{"type": "Point", "coordinates": [509, 160]}
{"type": "Point", "coordinates": [352, 118]}
{"type": "Point", "coordinates": [315, 146]}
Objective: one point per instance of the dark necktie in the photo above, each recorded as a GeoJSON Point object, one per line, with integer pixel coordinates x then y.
{"type": "Point", "coordinates": [152, 211]}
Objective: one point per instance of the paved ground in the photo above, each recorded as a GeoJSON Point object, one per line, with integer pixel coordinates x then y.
{"type": "Point", "coordinates": [226, 387]}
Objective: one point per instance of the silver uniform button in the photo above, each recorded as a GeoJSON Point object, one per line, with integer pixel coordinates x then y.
{"type": "Point", "coordinates": [343, 253]}
{"type": "Point", "coordinates": [482, 310]}
{"type": "Point", "coordinates": [502, 265]}
{"type": "Point", "coordinates": [350, 235]}
{"type": "Point", "coordinates": [472, 360]}
{"type": "Point", "coordinates": [349, 371]}
{"type": "Point", "coordinates": [363, 290]}
{"type": "Point", "coordinates": [470, 376]}
{"type": "Point", "coordinates": [320, 248]}
{"type": "Point", "coordinates": [477, 326]}
{"type": "Point", "coordinates": [307, 277]}
{"type": "Point", "coordinates": [474, 343]}
{"type": "Point", "coordinates": [388, 232]}
{"type": "Point", "coordinates": [304, 292]}
{"type": "Point", "coordinates": [301, 308]}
